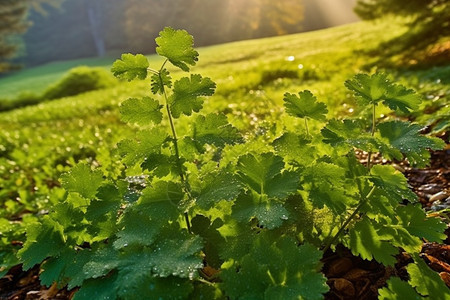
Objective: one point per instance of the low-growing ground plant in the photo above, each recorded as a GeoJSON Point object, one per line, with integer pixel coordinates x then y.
{"type": "Point", "coordinates": [207, 213]}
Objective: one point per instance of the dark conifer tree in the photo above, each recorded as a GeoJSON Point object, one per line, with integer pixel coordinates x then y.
{"type": "Point", "coordinates": [12, 23]}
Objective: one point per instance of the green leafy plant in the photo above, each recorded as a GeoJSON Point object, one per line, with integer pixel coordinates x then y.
{"type": "Point", "coordinates": [212, 214]}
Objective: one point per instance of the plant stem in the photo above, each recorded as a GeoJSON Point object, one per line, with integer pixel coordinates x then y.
{"type": "Point", "coordinates": [183, 177]}
{"type": "Point", "coordinates": [306, 126]}
{"type": "Point", "coordinates": [369, 157]}
{"type": "Point", "coordinates": [349, 219]}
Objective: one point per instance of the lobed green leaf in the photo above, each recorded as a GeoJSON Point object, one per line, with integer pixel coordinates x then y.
{"type": "Point", "coordinates": [275, 270]}
{"type": "Point", "coordinates": [348, 134]}
{"type": "Point", "coordinates": [146, 142]}
{"type": "Point", "coordinates": [187, 94]}
{"type": "Point", "coordinates": [427, 282]}
{"type": "Point", "coordinates": [366, 240]}
{"type": "Point", "coordinates": [263, 174]}
{"type": "Point", "coordinates": [130, 67]}
{"type": "Point", "coordinates": [399, 138]}
{"type": "Point", "coordinates": [392, 182]}
{"type": "Point", "coordinates": [44, 239]}
{"type": "Point", "coordinates": [398, 289]}
{"type": "Point", "coordinates": [161, 80]}
{"type": "Point", "coordinates": [177, 47]}
{"type": "Point", "coordinates": [376, 88]}
{"type": "Point", "coordinates": [143, 111]}
{"type": "Point", "coordinates": [305, 105]}
{"type": "Point", "coordinates": [82, 180]}
{"type": "Point", "coordinates": [214, 129]}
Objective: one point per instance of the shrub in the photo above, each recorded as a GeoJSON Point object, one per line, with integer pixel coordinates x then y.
{"type": "Point", "coordinates": [80, 80]}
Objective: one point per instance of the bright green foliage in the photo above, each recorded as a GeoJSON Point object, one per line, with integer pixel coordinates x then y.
{"type": "Point", "coordinates": [214, 129]}
{"type": "Point", "coordinates": [275, 270]}
{"type": "Point", "coordinates": [398, 290]}
{"type": "Point", "coordinates": [427, 282]}
{"type": "Point", "coordinates": [305, 105]}
{"type": "Point", "coordinates": [187, 93]}
{"type": "Point", "coordinates": [177, 47]}
{"type": "Point", "coordinates": [82, 180]}
{"type": "Point", "coordinates": [159, 81]}
{"type": "Point", "coordinates": [142, 111]}
{"type": "Point", "coordinates": [378, 88]}
{"type": "Point", "coordinates": [130, 67]}
{"type": "Point", "coordinates": [404, 138]}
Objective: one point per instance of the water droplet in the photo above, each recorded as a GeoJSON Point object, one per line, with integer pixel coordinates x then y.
{"type": "Point", "coordinates": [290, 58]}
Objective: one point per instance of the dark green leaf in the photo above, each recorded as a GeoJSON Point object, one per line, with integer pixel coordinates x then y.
{"type": "Point", "coordinates": [222, 186]}
{"type": "Point", "coordinates": [348, 134]}
{"type": "Point", "coordinates": [263, 174]}
{"type": "Point", "coordinates": [376, 88]}
{"type": "Point", "coordinates": [279, 270]}
{"type": "Point", "coordinates": [392, 182]}
{"type": "Point", "coordinates": [404, 137]}
{"type": "Point", "coordinates": [398, 289]}
{"type": "Point", "coordinates": [415, 221]}
{"type": "Point", "coordinates": [269, 214]}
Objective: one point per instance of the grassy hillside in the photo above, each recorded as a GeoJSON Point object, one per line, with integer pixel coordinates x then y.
{"type": "Point", "coordinates": [252, 76]}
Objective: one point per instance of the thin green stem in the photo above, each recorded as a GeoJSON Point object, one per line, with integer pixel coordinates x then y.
{"type": "Point", "coordinates": [374, 120]}
{"type": "Point", "coordinates": [369, 157]}
{"type": "Point", "coordinates": [153, 71]}
{"type": "Point", "coordinates": [349, 219]}
{"type": "Point", "coordinates": [183, 177]}
{"type": "Point", "coordinates": [306, 126]}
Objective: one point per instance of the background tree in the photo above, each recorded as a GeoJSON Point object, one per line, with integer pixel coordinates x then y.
{"type": "Point", "coordinates": [12, 23]}
{"type": "Point", "coordinates": [429, 22]}
{"type": "Point", "coordinates": [94, 27]}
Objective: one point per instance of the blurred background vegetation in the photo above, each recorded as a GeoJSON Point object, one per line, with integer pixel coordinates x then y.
{"type": "Point", "coordinates": [39, 31]}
